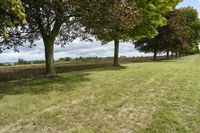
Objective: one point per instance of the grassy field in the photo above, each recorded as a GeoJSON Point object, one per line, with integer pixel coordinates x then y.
{"type": "Point", "coordinates": [151, 97]}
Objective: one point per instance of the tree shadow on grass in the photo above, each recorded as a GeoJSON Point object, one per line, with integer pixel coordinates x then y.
{"type": "Point", "coordinates": [62, 83]}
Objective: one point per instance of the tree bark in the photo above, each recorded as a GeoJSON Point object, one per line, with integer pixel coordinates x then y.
{"type": "Point", "coordinates": [116, 53]}
{"type": "Point", "coordinates": [49, 58]}
{"type": "Point", "coordinates": [155, 55]}
{"type": "Point", "coordinates": [168, 55]}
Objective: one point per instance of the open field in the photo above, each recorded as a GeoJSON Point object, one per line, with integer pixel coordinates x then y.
{"type": "Point", "coordinates": [149, 97]}
{"type": "Point", "coordinates": [17, 72]}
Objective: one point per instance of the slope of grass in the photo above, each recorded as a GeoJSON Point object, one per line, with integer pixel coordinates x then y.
{"type": "Point", "coordinates": [150, 97]}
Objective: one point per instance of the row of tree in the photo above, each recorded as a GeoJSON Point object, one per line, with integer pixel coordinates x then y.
{"type": "Point", "coordinates": [62, 21]}
{"type": "Point", "coordinates": [180, 35]}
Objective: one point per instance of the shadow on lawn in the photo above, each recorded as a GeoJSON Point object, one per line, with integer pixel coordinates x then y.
{"type": "Point", "coordinates": [61, 83]}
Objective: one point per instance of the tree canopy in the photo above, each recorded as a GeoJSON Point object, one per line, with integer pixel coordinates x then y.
{"type": "Point", "coordinates": [107, 19]}
{"type": "Point", "coordinates": [193, 26]}
{"type": "Point", "coordinates": [152, 17]}
{"type": "Point", "coordinates": [11, 11]}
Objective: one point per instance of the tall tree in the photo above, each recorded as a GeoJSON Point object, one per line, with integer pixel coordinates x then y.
{"type": "Point", "coordinates": [49, 20]}
{"type": "Point", "coordinates": [122, 20]}
{"type": "Point", "coordinates": [109, 20]}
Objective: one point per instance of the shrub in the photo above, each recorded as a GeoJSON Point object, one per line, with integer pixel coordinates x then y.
{"type": "Point", "coordinates": [65, 59]}
{"type": "Point", "coordinates": [2, 64]}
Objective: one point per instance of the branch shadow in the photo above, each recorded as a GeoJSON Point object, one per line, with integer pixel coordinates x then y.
{"type": "Point", "coordinates": [60, 83]}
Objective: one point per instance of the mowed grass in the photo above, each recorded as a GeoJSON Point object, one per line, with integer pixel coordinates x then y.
{"type": "Point", "coordinates": [154, 97]}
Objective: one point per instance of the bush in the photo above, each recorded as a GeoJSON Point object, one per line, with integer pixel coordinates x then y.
{"type": "Point", "coordinates": [2, 64]}
{"type": "Point", "coordinates": [22, 62]}
{"type": "Point", "coordinates": [38, 62]}
{"type": "Point", "coordinates": [65, 59]}
{"type": "Point", "coordinates": [88, 58]}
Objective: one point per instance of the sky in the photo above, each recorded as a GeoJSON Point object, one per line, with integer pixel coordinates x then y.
{"type": "Point", "coordinates": [80, 48]}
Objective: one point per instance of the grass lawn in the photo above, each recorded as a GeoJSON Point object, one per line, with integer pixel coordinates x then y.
{"type": "Point", "coordinates": [154, 97]}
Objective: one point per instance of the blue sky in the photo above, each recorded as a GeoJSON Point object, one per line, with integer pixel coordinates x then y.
{"type": "Point", "coordinates": [78, 48]}
{"type": "Point", "coordinates": [194, 3]}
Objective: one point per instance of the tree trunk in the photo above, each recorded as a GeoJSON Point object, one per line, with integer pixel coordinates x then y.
{"type": "Point", "coordinates": [172, 55]}
{"type": "Point", "coordinates": [155, 55]}
{"type": "Point", "coordinates": [176, 54]}
{"type": "Point", "coordinates": [168, 55]}
{"type": "Point", "coordinates": [180, 54]}
{"type": "Point", "coordinates": [49, 58]}
{"type": "Point", "coordinates": [116, 53]}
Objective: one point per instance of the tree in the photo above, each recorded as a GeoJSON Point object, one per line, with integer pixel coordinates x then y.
{"type": "Point", "coordinates": [193, 26]}
{"type": "Point", "coordinates": [52, 21]}
{"type": "Point", "coordinates": [11, 11]}
{"type": "Point", "coordinates": [122, 20]}
{"type": "Point", "coordinates": [173, 36]}
{"type": "Point", "coordinates": [108, 20]}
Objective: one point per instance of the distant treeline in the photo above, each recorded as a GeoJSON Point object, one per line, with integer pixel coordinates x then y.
{"type": "Point", "coordinates": [5, 64]}
{"type": "Point", "coordinates": [63, 59]}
